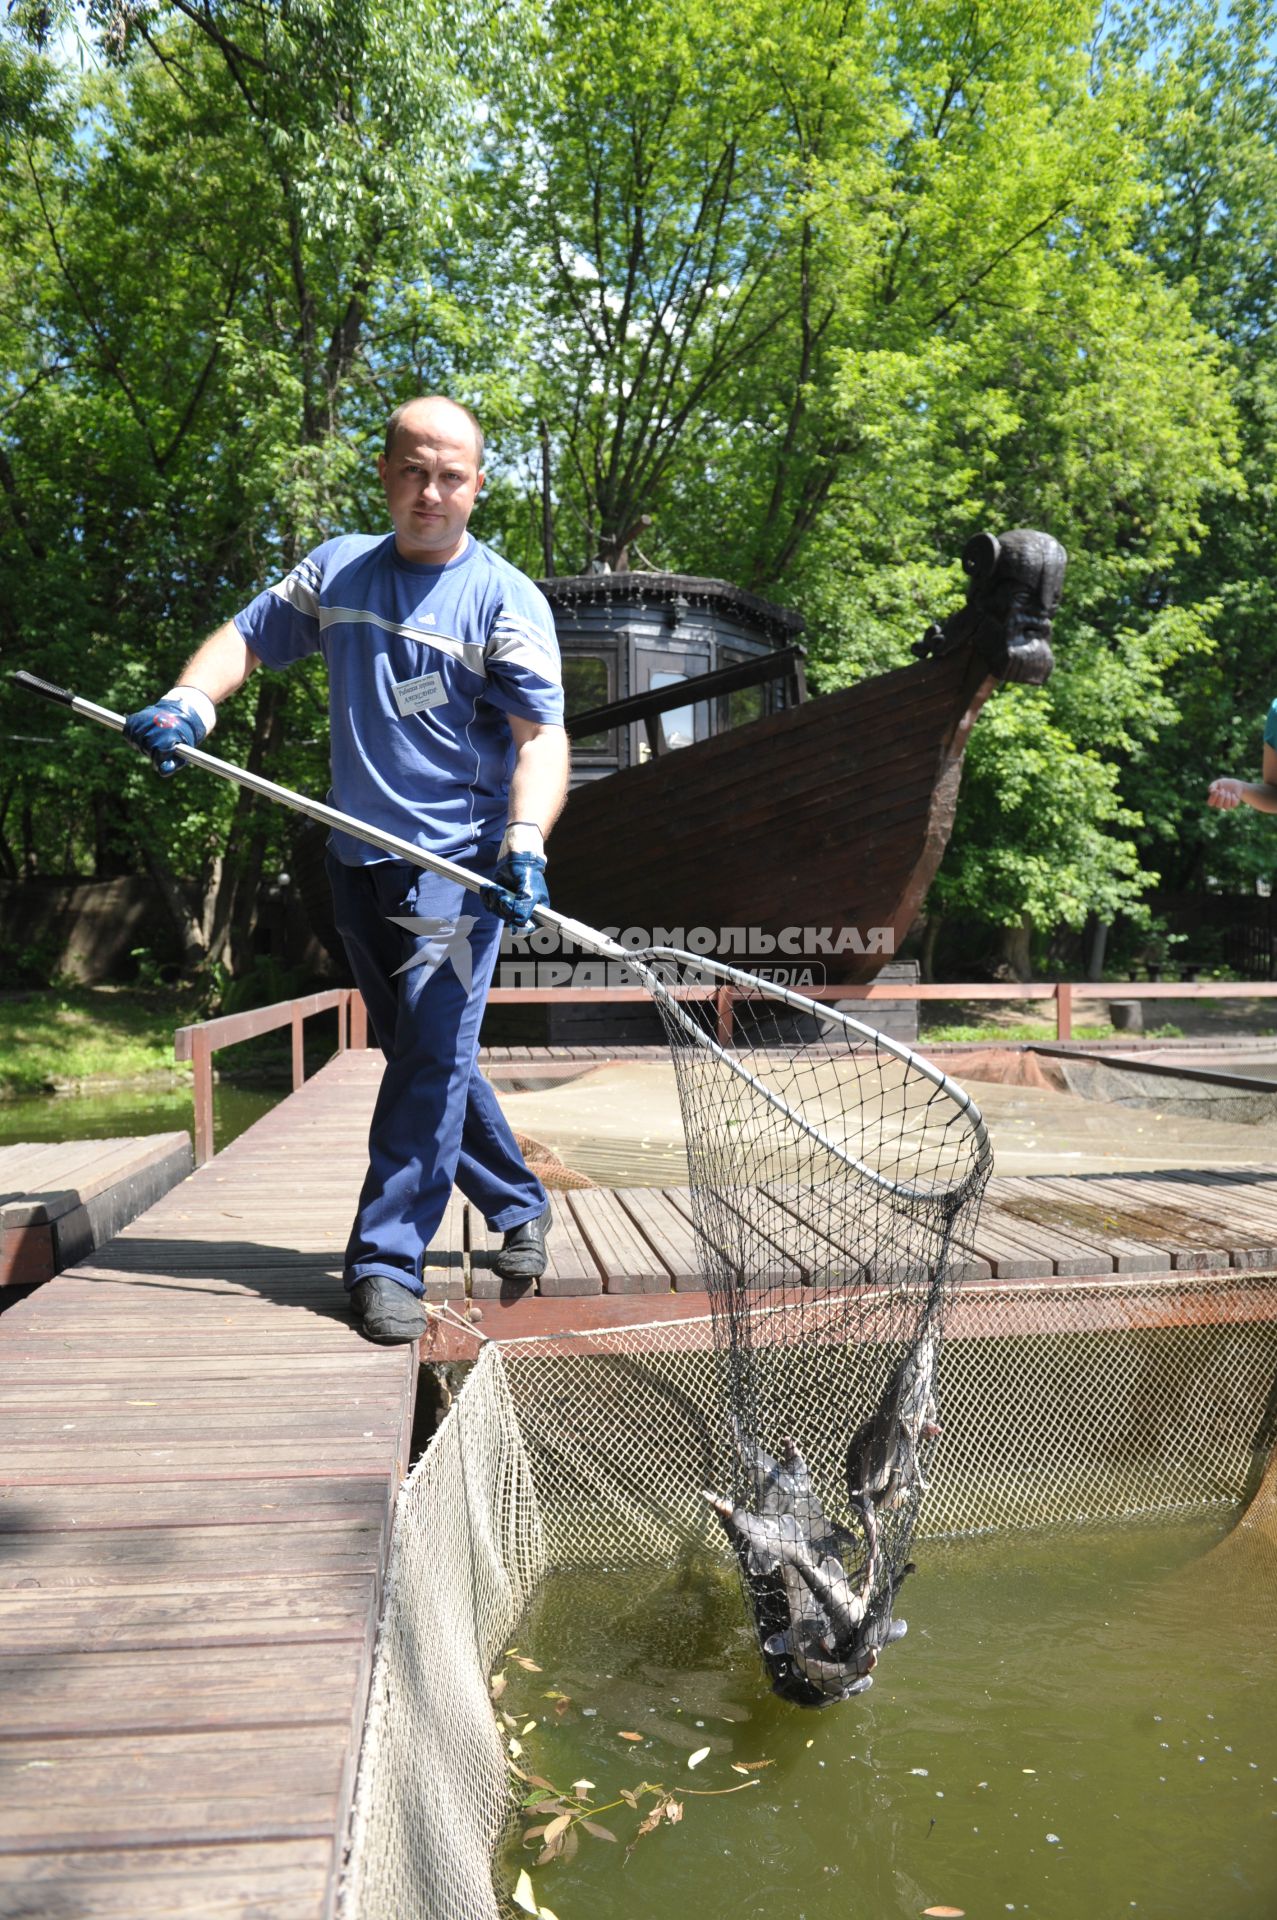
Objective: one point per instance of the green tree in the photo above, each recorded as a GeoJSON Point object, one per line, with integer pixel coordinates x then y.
{"type": "Point", "coordinates": [202, 234]}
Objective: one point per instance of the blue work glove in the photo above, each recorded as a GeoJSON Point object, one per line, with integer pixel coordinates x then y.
{"type": "Point", "coordinates": [181, 719]}
{"type": "Point", "coordinates": [517, 888]}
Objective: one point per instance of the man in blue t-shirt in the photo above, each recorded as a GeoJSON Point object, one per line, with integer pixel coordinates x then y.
{"type": "Point", "coordinates": [446, 718]}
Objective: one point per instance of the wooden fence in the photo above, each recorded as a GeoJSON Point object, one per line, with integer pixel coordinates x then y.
{"type": "Point", "coordinates": [199, 1043]}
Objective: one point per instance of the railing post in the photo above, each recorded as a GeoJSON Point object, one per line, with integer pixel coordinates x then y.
{"type": "Point", "coordinates": [202, 1095]}
{"type": "Point", "coordinates": [723, 1015]}
{"type": "Point", "coordinates": [297, 1023]}
{"type": "Point", "coordinates": [358, 1020]}
{"type": "Point", "coordinates": [343, 1022]}
{"type": "Point", "coordinates": [1064, 1010]}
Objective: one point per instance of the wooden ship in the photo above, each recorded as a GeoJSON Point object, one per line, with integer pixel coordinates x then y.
{"type": "Point", "coordinates": [710, 792]}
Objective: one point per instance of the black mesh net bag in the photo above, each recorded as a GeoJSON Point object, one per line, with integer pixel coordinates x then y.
{"type": "Point", "coordinates": [836, 1178]}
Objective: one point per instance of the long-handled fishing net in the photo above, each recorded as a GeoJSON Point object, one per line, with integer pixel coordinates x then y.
{"type": "Point", "coordinates": [834, 1175]}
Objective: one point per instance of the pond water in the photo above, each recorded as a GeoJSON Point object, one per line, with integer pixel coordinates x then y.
{"type": "Point", "coordinates": [1078, 1726]}
{"type": "Point", "coordinates": [133, 1110]}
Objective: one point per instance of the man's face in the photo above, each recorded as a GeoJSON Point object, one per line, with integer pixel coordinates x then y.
{"type": "Point", "coordinates": [431, 479]}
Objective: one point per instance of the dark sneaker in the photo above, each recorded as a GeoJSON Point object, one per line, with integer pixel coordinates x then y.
{"type": "Point", "coordinates": [387, 1311]}
{"type": "Point", "coordinates": [523, 1255]}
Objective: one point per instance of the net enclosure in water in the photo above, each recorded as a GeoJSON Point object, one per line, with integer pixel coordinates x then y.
{"type": "Point", "coordinates": [833, 1175]}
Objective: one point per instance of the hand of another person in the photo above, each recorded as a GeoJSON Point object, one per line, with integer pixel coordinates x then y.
{"type": "Point", "coordinates": [517, 888]}
{"type": "Point", "coordinates": [175, 721]}
{"type": "Point", "coordinates": [1225, 793]}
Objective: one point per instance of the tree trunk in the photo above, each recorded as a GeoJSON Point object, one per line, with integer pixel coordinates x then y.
{"type": "Point", "coordinates": [1097, 940]}
{"type": "Point", "coordinates": [927, 952]}
{"type": "Point", "coordinates": [1015, 945]}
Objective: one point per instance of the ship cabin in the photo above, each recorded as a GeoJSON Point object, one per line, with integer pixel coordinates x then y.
{"type": "Point", "coordinates": [632, 641]}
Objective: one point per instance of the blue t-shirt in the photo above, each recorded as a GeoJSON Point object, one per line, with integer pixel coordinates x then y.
{"type": "Point", "coordinates": [424, 664]}
{"type": "Point", "coordinates": [1270, 726]}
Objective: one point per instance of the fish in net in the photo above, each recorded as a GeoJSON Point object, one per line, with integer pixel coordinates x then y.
{"type": "Point", "coordinates": [835, 1176]}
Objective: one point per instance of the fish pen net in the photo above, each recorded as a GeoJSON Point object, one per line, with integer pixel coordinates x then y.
{"type": "Point", "coordinates": [1065, 1404]}
{"type": "Point", "coordinates": [835, 1181]}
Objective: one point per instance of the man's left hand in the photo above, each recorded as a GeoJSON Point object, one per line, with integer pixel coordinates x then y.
{"type": "Point", "coordinates": [517, 888]}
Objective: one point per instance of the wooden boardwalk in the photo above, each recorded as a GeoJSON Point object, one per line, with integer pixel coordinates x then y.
{"type": "Point", "coordinates": [198, 1462]}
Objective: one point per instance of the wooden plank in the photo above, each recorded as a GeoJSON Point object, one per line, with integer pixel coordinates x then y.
{"type": "Point", "coordinates": [141, 1691]}
{"type": "Point", "coordinates": [1183, 1236]}
{"type": "Point", "coordinates": [276, 1880]}
{"type": "Point", "coordinates": [72, 1561]}
{"type": "Point", "coordinates": [26, 1256]}
{"type": "Point", "coordinates": [776, 1269]}
{"type": "Point", "coordinates": [446, 1264]}
{"type": "Point", "coordinates": [261, 1501]}
{"type": "Point", "coordinates": [231, 1785]}
{"type": "Point", "coordinates": [246, 1613]}
{"type": "Point", "coordinates": [668, 1232]}
{"type": "Point", "coordinates": [624, 1257]}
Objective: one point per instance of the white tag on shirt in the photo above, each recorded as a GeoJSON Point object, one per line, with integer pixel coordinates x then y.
{"type": "Point", "coordinates": [414, 696]}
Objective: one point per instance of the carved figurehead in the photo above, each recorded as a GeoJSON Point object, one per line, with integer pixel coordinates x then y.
{"type": "Point", "coordinates": [1015, 581]}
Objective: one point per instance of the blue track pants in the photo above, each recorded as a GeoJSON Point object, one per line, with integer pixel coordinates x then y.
{"type": "Point", "coordinates": [436, 1120]}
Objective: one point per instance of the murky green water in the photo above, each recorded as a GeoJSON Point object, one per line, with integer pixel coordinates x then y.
{"type": "Point", "coordinates": [1079, 1726]}
{"type": "Point", "coordinates": [102, 1116]}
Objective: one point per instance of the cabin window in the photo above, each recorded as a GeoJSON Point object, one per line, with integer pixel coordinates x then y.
{"type": "Point", "coordinates": [678, 724]}
{"type": "Point", "coordinates": [737, 709]}
{"type": "Point", "coordinates": [589, 681]}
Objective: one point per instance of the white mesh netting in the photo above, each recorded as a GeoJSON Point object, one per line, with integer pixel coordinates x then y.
{"type": "Point", "coordinates": [1060, 1404]}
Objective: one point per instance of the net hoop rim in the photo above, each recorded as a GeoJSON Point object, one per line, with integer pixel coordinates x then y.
{"type": "Point", "coordinates": [771, 990]}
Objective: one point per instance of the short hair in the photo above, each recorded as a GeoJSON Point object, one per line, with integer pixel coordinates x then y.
{"type": "Point", "coordinates": [396, 421]}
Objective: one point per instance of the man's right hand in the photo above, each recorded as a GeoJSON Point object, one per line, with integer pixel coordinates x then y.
{"type": "Point", "coordinates": [181, 719]}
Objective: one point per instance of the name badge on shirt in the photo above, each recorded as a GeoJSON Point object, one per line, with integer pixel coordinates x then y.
{"type": "Point", "coordinates": [414, 696]}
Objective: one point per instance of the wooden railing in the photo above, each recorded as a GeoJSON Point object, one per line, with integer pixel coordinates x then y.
{"type": "Point", "coordinates": [199, 1043]}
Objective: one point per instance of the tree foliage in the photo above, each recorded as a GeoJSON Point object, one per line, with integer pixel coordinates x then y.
{"type": "Point", "coordinates": [798, 294]}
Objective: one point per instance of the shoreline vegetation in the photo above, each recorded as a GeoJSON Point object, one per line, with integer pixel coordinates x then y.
{"type": "Point", "coordinates": [80, 1040]}
{"type": "Point", "coordinates": [97, 1040]}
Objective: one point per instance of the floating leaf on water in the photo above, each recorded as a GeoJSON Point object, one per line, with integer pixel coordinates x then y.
{"type": "Point", "coordinates": [570, 1844]}
{"type": "Point", "coordinates": [521, 1660]}
{"type": "Point", "coordinates": [529, 1726]}
{"type": "Point", "coordinates": [673, 1811]}
{"type": "Point", "coordinates": [508, 1721]}
{"type": "Point", "coordinates": [701, 1753]}
{"type": "Point", "coordinates": [630, 1798]}
{"type": "Point", "coordinates": [534, 1833]}
{"type": "Point", "coordinates": [558, 1825]}
{"type": "Point", "coordinates": [629, 1736]}
{"type": "Point", "coordinates": [945, 1913]}
{"type": "Point", "coordinates": [535, 1780]}
{"type": "Point", "coordinates": [581, 1787]}
{"type": "Point", "coordinates": [543, 1913]}
{"type": "Point", "coordinates": [515, 1747]}
{"type": "Point", "coordinates": [600, 1833]}
{"type": "Point", "coordinates": [750, 1766]}
{"type": "Point", "coordinates": [498, 1684]}
{"type": "Point", "coordinates": [523, 1894]}
{"type": "Point", "coordinates": [552, 1694]}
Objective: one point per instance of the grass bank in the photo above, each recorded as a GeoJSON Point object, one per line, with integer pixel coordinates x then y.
{"type": "Point", "coordinates": [89, 1036]}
